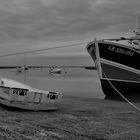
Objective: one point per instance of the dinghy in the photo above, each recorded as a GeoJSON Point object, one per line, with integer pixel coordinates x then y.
{"type": "Point", "coordinates": [19, 95]}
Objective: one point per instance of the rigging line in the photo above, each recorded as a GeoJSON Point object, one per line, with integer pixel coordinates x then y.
{"type": "Point", "coordinates": [41, 50]}
{"type": "Point", "coordinates": [24, 68]}
{"type": "Point", "coordinates": [133, 105]}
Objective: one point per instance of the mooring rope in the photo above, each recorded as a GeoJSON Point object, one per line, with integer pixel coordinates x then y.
{"type": "Point", "coordinates": [129, 102]}
{"type": "Point", "coordinates": [46, 49]}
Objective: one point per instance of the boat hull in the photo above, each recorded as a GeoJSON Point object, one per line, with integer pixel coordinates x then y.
{"type": "Point", "coordinates": [29, 105]}
{"type": "Point", "coordinates": [35, 101]}
{"type": "Point", "coordinates": [115, 88]}
{"type": "Point", "coordinates": [118, 67]}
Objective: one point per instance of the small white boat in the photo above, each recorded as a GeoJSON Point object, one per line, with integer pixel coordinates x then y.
{"type": "Point", "coordinates": [55, 72]}
{"type": "Point", "coordinates": [19, 95]}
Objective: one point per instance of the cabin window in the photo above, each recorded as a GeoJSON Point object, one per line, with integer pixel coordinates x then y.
{"type": "Point", "coordinates": [52, 95]}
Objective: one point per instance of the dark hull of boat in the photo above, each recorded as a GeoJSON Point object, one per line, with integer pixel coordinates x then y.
{"type": "Point", "coordinates": [120, 54]}
{"type": "Point", "coordinates": [115, 88]}
{"type": "Point", "coordinates": [118, 67]}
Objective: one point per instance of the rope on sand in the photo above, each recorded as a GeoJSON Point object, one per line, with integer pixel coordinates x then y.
{"type": "Point", "coordinates": [133, 105]}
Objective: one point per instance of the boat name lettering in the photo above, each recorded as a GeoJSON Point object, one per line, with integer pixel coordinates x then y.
{"type": "Point", "coordinates": [19, 92]}
{"type": "Point", "coordinates": [120, 50]}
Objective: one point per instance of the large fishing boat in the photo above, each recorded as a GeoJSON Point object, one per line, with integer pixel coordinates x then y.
{"type": "Point", "coordinates": [118, 64]}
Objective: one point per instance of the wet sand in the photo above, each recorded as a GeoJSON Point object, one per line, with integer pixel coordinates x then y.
{"type": "Point", "coordinates": [77, 118]}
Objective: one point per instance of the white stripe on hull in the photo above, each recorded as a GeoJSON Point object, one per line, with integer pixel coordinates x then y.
{"type": "Point", "coordinates": [138, 82]}
{"type": "Point", "coordinates": [119, 66]}
{"type": "Point", "coordinates": [98, 63]}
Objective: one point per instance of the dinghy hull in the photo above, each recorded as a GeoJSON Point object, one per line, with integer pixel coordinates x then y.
{"type": "Point", "coordinates": [18, 95]}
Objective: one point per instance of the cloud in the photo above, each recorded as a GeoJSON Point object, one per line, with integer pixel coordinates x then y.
{"type": "Point", "coordinates": [65, 19]}
{"type": "Point", "coordinates": [13, 6]}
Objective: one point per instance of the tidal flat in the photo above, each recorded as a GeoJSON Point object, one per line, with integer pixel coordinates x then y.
{"type": "Point", "coordinates": [76, 119]}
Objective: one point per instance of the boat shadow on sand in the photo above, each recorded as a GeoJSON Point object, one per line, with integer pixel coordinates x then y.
{"type": "Point", "coordinates": [18, 109]}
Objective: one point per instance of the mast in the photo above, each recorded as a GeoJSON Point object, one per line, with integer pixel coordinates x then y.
{"type": "Point", "coordinates": [24, 68]}
{"type": "Point", "coordinates": [137, 28]}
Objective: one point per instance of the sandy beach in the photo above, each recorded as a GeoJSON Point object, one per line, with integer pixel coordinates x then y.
{"type": "Point", "coordinates": [76, 119]}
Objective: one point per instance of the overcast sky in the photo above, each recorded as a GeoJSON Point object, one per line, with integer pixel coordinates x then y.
{"type": "Point", "coordinates": [32, 24]}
